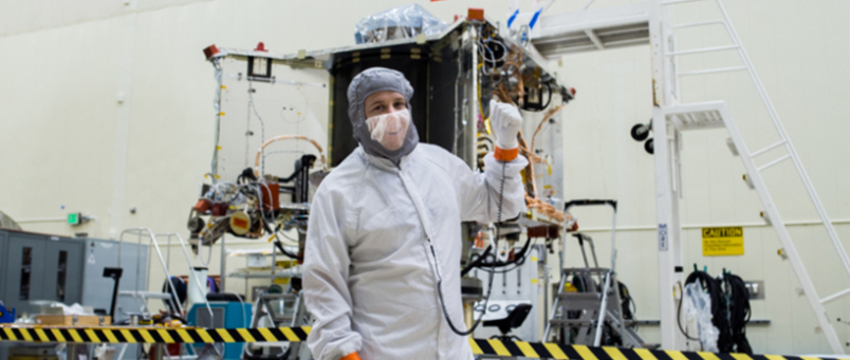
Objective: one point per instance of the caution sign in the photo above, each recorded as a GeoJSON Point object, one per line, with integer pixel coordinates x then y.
{"type": "Point", "coordinates": [723, 241]}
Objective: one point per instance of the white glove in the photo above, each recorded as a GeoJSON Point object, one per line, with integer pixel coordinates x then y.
{"type": "Point", "coordinates": [505, 120]}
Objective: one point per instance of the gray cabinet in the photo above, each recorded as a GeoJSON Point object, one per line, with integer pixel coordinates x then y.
{"type": "Point", "coordinates": [97, 290]}
{"type": "Point", "coordinates": [63, 278]}
{"type": "Point", "coordinates": [44, 267]}
{"type": "Point", "coordinates": [24, 271]}
{"type": "Point", "coordinates": [41, 267]}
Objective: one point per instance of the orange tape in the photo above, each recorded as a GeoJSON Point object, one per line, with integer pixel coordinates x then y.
{"type": "Point", "coordinates": [506, 155]}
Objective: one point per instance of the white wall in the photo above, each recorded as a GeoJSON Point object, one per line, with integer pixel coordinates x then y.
{"type": "Point", "coordinates": [68, 141]}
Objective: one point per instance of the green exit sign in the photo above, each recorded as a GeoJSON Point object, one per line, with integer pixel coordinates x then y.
{"type": "Point", "coordinates": [74, 219]}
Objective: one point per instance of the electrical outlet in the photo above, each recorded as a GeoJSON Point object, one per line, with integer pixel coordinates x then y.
{"type": "Point", "coordinates": [756, 289]}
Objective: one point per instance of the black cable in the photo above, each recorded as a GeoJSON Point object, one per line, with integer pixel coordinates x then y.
{"type": "Point", "coordinates": [679, 315]}
{"type": "Point", "coordinates": [548, 102]}
{"type": "Point", "coordinates": [280, 247]}
{"type": "Point", "coordinates": [519, 258]}
{"type": "Point", "coordinates": [490, 285]}
{"type": "Point", "coordinates": [475, 262]}
{"type": "Point", "coordinates": [718, 307]}
{"type": "Point", "coordinates": [739, 312]}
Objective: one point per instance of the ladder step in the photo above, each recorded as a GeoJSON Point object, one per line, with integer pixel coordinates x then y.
{"type": "Point", "coordinates": [698, 23]}
{"type": "Point", "coordinates": [697, 51]}
{"type": "Point", "coordinates": [571, 322]}
{"type": "Point", "coordinates": [771, 147]}
{"type": "Point", "coordinates": [712, 71]}
{"type": "Point", "coordinates": [835, 296]}
{"type": "Point", "coordinates": [697, 119]}
{"type": "Point", "coordinates": [672, 2]}
{"type": "Point", "coordinates": [774, 162]}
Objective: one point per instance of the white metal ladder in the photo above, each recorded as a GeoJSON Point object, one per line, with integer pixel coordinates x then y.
{"type": "Point", "coordinates": [716, 114]}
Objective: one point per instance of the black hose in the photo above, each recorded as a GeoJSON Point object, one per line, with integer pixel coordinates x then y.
{"type": "Point", "coordinates": [490, 285]}
{"type": "Point", "coordinates": [475, 263]}
{"type": "Point", "coordinates": [280, 247]}
{"type": "Point", "coordinates": [718, 307]}
{"type": "Point", "coordinates": [519, 258]}
{"type": "Point", "coordinates": [739, 313]}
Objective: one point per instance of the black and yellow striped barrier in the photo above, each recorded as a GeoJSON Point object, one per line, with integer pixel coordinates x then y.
{"type": "Point", "coordinates": [488, 348]}
{"type": "Point", "coordinates": [151, 335]}
{"type": "Point", "coordinates": [499, 348]}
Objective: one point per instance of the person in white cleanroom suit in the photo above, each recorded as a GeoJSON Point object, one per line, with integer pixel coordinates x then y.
{"type": "Point", "coordinates": [368, 277]}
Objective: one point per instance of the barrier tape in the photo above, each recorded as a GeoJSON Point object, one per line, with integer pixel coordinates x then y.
{"type": "Point", "coordinates": [119, 335]}
{"type": "Point", "coordinates": [495, 347]}
{"type": "Point", "coordinates": [492, 347]}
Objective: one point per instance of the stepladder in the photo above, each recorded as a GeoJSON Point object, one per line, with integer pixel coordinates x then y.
{"type": "Point", "coordinates": [671, 118]}
{"type": "Point", "coordinates": [588, 307]}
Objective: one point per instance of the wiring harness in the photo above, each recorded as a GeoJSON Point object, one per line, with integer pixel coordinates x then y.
{"type": "Point", "coordinates": [730, 310]}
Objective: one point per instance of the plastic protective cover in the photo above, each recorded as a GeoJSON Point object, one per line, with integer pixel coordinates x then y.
{"type": "Point", "coordinates": [401, 22]}
{"type": "Point", "coordinates": [698, 307]}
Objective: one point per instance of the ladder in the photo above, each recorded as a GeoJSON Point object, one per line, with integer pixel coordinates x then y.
{"type": "Point", "coordinates": [587, 312]}
{"type": "Point", "coordinates": [716, 115]}
{"type": "Point", "coordinates": [276, 317]}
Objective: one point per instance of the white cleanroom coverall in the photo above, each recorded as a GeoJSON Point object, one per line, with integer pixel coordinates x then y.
{"type": "Point", "coordinates": [367, 275]}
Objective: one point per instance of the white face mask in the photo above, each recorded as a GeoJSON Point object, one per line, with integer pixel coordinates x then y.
{"type": "Point", "coordinates": [390, 129]}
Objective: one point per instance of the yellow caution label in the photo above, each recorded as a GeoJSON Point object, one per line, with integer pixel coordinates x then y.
{"type": "Point", "coordinates": [534, 281]}
{"type": "Point", "coordinates": [723, 241]}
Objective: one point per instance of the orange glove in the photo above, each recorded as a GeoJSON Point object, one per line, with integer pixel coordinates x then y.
{"type": "Point", "coordinates": [352, 356]}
